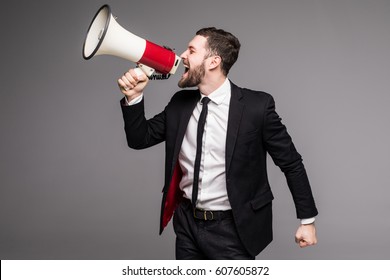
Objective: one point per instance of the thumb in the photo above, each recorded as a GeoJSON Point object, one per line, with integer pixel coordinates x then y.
{"type": "Point", "coordinates": [302, 243]}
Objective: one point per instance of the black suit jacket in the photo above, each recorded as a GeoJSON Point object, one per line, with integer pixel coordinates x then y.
{"type": "Point", "coordinates": [254, 129]}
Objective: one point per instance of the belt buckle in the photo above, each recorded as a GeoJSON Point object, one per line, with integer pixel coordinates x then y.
{"type": "Point", "coordinates": [204, 214]}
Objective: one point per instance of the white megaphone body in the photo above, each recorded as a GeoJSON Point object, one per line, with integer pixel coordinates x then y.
{"type": "Point", "coordinates": [106, 36]}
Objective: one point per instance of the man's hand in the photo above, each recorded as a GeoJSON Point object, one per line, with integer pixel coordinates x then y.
{"type": "Point", "coordinates": [306, 235]}
{"type": "Point", "coordinates": [132, 83]}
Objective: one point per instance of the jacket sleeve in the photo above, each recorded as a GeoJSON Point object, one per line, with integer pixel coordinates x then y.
{"type": "Point", "coordinates": [142, 133]}
{"type": "Point", "coordinates": [282, 151]}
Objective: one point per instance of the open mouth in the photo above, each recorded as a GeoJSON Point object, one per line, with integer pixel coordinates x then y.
{"type": "Point", "coordinates": [186, 69]}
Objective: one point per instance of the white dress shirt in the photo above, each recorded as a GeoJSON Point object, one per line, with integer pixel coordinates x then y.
{"type": "Point", "coordinates": [212, 193]}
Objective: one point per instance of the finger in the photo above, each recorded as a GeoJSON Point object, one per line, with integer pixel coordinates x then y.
{"type": "Point", "coordinates": [132, 77]}
{"type": "Point", "coordinates": [128, 84]}
{"type": "Point", "coordinates": [126, 80]}
{"type": "Point", "coordinates": [135, 74]}
{"type": "Point", "coordinates": [123, 85]}
{"type": "Point", "coordinates": [303, 244]}
{"type": "Point", "coordinates": [140, 75]}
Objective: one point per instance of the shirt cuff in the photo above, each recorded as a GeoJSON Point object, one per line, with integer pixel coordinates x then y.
{"type": "Point", "coordinates": [134, 101]}
{"type": "Point", "coordinates": [307, 221]}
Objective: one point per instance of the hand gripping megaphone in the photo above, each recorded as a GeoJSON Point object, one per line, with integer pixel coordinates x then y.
{"type": "Point", "coordinates": [106, 36]}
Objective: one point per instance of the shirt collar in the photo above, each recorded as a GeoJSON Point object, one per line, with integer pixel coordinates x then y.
{"type": "Point", "coordinates": [219, 95]}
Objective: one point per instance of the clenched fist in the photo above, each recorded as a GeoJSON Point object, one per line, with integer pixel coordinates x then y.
{"type": "Point", "coordinates": [132, 83]}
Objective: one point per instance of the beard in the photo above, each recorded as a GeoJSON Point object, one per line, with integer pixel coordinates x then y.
{"type": "Point", "coordinates": [193, 76]}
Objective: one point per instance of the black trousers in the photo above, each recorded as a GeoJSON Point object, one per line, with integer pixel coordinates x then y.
{"type": "Point", "coordinates": [198, 239]}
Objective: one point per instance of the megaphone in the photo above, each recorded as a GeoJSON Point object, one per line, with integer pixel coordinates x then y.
{"type": "Point", "coordinates": [106, 36]}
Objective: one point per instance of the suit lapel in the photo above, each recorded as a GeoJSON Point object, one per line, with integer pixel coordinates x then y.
{"type": "Point", "coordinates": [172, 193]}
{"type": "Point", "coordinates": [234, 119]}
{"type": "Point", "coordinates": [187, 110]}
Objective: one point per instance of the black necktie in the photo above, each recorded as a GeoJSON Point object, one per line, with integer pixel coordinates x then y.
{"type": "Point", "coordinates": [201, 123]}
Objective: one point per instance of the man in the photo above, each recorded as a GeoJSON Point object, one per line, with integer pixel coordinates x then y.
{"type": "Point", "coordinates": [215, 177]}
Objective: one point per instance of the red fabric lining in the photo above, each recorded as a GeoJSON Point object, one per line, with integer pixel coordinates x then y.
{"type": "Point", "coordinates": [174, 196]}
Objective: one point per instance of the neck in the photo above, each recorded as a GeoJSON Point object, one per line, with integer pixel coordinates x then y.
{"type": "Point", "coordinates": [210, 84]}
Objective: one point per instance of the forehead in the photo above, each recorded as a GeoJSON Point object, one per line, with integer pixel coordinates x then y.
{"type": "Point", "coordinates": [198, 42]}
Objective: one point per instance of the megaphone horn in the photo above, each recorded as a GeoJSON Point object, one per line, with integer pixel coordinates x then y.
{"type": "Point", "coordinates": [106, 36]}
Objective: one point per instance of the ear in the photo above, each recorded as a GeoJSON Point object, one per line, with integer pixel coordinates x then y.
{"type": "Point", "coordinates": [215, 62]}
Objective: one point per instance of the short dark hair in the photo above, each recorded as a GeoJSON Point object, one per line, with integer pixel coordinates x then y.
{"type": "Point", "coordinates": [223, 44]}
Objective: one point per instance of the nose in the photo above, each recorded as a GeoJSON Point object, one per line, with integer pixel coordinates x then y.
{"type": "Point", "coordinates": [183, 55]}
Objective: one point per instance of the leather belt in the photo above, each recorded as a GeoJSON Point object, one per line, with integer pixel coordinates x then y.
{"type": "Point", "coordinates": [207, 215]}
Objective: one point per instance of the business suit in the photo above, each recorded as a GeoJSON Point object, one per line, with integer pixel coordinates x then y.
{"type": "Point", "coordinates": [254, 129]}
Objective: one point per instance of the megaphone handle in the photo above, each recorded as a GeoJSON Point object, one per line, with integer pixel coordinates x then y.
{"type": "Point", "coordinates": [144, 69]}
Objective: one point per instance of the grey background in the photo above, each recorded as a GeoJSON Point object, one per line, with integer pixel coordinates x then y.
{"type": "Point", "coordinates": [70, 187]}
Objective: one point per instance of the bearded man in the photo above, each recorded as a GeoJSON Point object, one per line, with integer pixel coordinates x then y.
{"type": "Point", "coordinates": [217, 137]}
